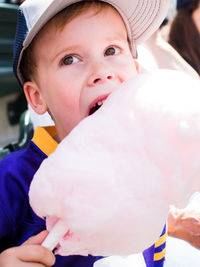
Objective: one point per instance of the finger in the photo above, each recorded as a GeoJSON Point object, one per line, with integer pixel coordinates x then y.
{"type": "Point", "coordinates": [36, 239]}
{"type": "Point", "coordinates": [37, 254]}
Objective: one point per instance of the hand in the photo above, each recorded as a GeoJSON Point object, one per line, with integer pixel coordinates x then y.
{"type": "Point", "coordinates": [185, 224]}
{"type": "Point", "coordinates": [29, 254]}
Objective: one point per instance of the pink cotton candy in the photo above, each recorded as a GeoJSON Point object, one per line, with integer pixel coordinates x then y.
{"type": "Point", "coordinates": [114, 176]}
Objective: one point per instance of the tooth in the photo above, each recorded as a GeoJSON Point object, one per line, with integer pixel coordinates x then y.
{"type": "Point", "coordinates": [100, 103]}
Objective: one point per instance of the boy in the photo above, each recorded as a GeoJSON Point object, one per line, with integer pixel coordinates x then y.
{"type": "Point", "coordinates": [68, 58]}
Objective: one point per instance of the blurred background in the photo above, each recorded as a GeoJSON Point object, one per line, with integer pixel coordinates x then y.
{"type": "Point", "coordinates": [16, 118]}
{"type": "Point", "coordinates": [12, 100]}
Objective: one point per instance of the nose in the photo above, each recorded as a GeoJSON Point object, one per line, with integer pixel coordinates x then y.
{"type": "Point", "coordinates": [100, 73]}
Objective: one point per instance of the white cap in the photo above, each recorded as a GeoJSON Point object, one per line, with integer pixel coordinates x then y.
{"type": "Point", "coordinates": [141, 17]}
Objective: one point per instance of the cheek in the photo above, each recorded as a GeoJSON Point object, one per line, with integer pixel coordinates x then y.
{"type": "Point", "coordinates": [67, 116]}
{"type": "Point", "coordinates": [127, 63]}
{"type": "Point", "coordinates": [130, 68]}
{"type": "Point", "coordinates": [69, 105]}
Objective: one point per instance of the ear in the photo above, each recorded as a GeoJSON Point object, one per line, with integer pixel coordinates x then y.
{"type": "Point", "coordinates": [34, 97]}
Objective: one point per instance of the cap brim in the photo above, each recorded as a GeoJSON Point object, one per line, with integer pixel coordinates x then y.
{"type": "Point", "coordinates": [142, 17]}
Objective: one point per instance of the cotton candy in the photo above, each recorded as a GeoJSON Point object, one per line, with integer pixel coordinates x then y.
{"type": "Point", "coordinates": [112, 179]}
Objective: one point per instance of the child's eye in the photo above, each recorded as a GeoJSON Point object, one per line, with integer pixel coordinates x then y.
{"type": "Point", "coordinates": [112, 51]}
{"type": "Point", "coordinates": [69, 60]}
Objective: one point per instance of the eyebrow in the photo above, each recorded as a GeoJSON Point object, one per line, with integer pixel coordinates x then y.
{"type": "Point", "coordinates": [117, 38]}
{"type": "Point", "coordinates": [69, 48]}
{"type": "Point", "coordinates": [119, 34]}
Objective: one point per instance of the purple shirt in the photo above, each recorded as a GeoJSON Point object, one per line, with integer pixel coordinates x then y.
{"type": "Point", "coordinates": [17, 220]}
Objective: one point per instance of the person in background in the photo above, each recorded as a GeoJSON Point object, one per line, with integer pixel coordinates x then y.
{"type": "Point", "coordinates": [184, 37]}
{"type": "Point", "coordinates": [184, 33]}
{"type": "Point", "coordinates": [160, 53]}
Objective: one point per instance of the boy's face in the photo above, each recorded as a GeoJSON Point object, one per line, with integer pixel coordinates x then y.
{"type": "Point", "coordinates": [80, 66]}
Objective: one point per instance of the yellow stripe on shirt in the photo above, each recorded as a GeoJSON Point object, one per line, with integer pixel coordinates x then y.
{"type": "Point", "coordinates": [43, 138]}
{"type": "Point", "coordinates": [159, 255]}
{"type": "Point", "coordinates": [161, 240]}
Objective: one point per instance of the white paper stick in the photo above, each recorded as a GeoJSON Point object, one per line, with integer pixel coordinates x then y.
{"type": "Point", "coordinates": [55, 235]}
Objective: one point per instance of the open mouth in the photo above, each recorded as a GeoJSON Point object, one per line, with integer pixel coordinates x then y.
{"type": "Point", "coordinates": [97, 104]}
{"type": "Point", "coordinates": [95, 107]}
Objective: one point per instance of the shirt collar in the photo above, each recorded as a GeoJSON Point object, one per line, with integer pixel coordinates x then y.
{"type": "Point", "coordinates": [43, 138]}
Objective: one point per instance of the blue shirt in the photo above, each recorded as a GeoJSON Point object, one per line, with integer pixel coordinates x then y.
{"type": "Point", "coordinates": [18, 221]}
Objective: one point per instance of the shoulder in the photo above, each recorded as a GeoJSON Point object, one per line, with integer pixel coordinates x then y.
{"type": "Point", "coordinates": [25, 160]}
{"type": "Point", "coordinates": [18, 168]}
{"type": "Point", "coordinates": [16, 173]}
